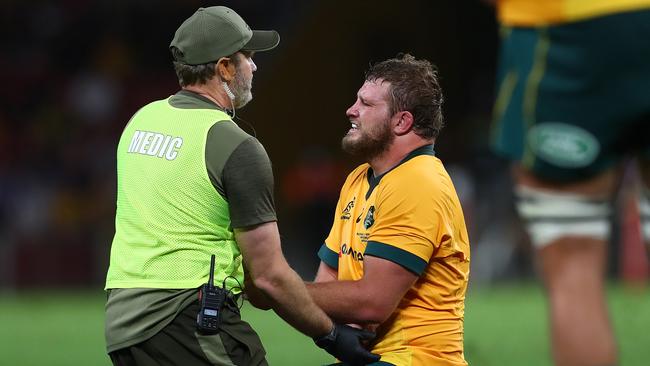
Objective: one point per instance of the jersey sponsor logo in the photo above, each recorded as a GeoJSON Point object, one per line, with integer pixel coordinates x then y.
{"type": "Point", "coordinates": [155, 144]}
{"type": "Point", "coordinates": [563, 145]}
{"type": "Point", "coordinates": [347, 250]}
{"type": "Point", "coordinates": [363, 237]}
{"type": "Point", "coordinates": [370, 218]}
{"type": "Point", "coordinates": [345, 215]}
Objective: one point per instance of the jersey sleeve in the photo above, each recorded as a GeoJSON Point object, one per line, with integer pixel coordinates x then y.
{"type": "Point", "coordinates": [329, 251]}
{"type": "Point", "coordinates": [405, 227]}
{"type": "Point", "coordinates": [248, 185]}
{"type": "Point", "coordinates": [329, 256]}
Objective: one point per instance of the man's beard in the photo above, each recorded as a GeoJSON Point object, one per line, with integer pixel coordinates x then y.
{"type": "Point", "coordinates": [369, 144]}
{"type": "Point", "coordinates": [242, 90]}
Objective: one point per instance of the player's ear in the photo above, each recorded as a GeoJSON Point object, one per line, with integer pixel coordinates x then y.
{"type": "Point", "coordinates": [402, 122]}
{"type": "Point", "coordinates": [226, 69]}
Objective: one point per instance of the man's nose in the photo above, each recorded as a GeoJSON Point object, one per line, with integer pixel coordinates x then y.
{"type": "Point", "coordinates": [351, 112]}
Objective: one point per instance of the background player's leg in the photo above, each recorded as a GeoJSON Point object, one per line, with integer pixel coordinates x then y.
{"type": "Point", "coordinates": [570, 227]}
{"type": "Point", "coordinates": [573, 269]}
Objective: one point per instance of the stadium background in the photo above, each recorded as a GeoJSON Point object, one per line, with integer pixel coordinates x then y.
{"type": "Point", "coordinates": [74, 71]}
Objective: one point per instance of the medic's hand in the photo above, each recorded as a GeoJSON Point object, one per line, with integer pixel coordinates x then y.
{"type": "Point", "coordinates": [345, 343]}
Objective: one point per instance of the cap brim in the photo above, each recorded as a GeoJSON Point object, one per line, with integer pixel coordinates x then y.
{"type": "Point", "coordinates": [262, 41]}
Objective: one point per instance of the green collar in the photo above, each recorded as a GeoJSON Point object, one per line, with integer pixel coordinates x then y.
{"type": "Point", "coordinates": [374, 181]}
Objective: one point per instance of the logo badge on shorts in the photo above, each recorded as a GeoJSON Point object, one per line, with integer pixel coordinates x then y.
{"type": "Point", "coordinates": [370, 218]}
{"type": "Point", "coordinates": [563, 145]}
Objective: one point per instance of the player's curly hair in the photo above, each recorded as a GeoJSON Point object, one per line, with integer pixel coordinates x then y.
{"type": "Point", "coordinates": [414, 87]}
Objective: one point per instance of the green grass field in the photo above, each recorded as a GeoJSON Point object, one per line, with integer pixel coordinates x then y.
{"type": "Point", "coordinates": [504, 325]}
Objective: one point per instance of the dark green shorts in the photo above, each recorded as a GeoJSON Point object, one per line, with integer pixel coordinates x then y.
{"type": "Point", "coordinates": [179, 344]}
{"type": "Point", "coordinates": [574, 99]}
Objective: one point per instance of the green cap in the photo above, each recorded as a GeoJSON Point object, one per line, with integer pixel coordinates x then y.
{"type": "Point", "coordinates": [215, 32]}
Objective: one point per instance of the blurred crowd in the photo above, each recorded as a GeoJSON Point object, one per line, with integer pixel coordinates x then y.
{"type": "Point", "coordinates": [75, 71]}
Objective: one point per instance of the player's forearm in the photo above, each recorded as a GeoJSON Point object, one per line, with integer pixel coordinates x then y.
{"type": "Point", "coordinates": [326, 273]}
{"type": "Point", "coordinates": [347, 302]}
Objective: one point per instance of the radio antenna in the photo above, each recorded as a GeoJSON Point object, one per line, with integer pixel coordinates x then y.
{"type": "Point", "coordinates": [211, 278]}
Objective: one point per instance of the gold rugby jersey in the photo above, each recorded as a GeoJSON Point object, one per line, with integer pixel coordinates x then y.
{"type": "Point", "coordinates": [410, 215]}
{"type": "Point", "coordinates": [545, 12]}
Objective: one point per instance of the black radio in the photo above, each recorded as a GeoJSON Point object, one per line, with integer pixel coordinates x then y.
{"type": "Point", "coordinates": [212, 300]}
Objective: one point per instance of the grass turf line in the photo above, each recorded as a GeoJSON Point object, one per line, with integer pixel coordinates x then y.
{"type": "Point", "coordinates": [504, 325]}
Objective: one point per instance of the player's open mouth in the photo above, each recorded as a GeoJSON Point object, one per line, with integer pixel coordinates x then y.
{"type": "Point", "coordinates": [353, 127]}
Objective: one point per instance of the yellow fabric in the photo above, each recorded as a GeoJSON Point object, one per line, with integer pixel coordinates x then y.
{"type": "Point", "coordinates": [416, 211]}
{"type": "Point", "coordinates": [546, 12]}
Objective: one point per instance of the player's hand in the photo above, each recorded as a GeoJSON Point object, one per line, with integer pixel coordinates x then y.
{"type": "Point", "coordinates": [345, 343]}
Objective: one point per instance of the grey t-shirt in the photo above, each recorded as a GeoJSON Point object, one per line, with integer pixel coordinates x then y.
{"type": "Point", "coordinates": [240, 170]}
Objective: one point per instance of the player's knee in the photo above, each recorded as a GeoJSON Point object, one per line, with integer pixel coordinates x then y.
{"type": "Point", "coordinates": [550, 215]}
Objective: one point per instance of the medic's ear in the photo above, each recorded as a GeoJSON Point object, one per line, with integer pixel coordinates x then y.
{"type": "Point", "coordinates": [226, 69]}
